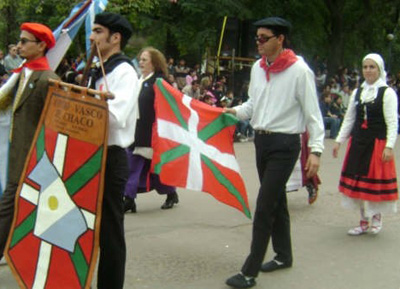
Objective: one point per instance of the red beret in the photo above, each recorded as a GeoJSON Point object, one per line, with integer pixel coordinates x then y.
{"type": "Point", "coordinates": [41, 32]}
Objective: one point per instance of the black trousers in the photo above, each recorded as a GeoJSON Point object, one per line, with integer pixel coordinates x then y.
{"type": "Point", "coordinates": [111, 271]}
{"type": "Point", "coordinates": [276, 155]}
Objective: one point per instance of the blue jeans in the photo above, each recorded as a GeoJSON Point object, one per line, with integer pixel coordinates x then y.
{"type": "Point", "coordinates": [245, 129]}
{"type": "Point", "coordinates": [334, 125]}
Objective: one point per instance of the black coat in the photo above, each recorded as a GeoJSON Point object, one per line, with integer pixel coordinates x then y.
{"type": "Point", "coordinates": [144, 125]}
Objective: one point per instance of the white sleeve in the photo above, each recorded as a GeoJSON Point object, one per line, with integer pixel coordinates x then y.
{"type": "Point", "coordinates": [245, 110]}
{"type": "Point", "coordinates": [391, 117]}
{"type": "Point", "coordinates": [307, 96]}
{"type": "Point", "coordinates": [348, 121]}
{"type": "Point", "coordinates": [124, 84]}
{"type": "Point", "coordinates": [9, 85]}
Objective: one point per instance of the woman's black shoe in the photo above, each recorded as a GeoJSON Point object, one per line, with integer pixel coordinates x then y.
{"type": "Point", "coordinates": [170, 201]}
{"type": "Point", "coordinates": [129, 204]}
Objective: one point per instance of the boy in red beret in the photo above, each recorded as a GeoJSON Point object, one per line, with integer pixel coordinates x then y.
{"type": "Point", "coordinates": [25, 92]}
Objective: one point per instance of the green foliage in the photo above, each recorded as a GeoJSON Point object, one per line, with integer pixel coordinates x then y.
{"type": "Point", "coordinates": [190, 24]}
{"type": "Point", "coordinates": [341, 31]}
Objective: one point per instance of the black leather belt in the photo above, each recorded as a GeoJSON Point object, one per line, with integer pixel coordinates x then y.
{"type": "Point", "coordinates": [258, 131]}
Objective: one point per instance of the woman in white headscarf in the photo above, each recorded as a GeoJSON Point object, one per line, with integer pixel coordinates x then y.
{"type": "Point", "coordinates": [368, 179]}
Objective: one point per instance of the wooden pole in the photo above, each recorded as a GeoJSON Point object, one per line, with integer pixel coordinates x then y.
{"type": "Point", "coordinates": [81, 89]}
{"type": "Point", "coordinates": [76, 15]}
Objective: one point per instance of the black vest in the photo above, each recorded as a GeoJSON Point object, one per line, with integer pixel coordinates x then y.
{"type": "Point", "coordinates": [109, 65]}
{"type": "Point", "coordinates": [375, 121]}
{"type": "Point", "coordinates": [364, 133]}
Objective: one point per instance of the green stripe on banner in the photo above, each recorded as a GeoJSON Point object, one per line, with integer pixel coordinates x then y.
{"type": "Point", "coordinates": [172, 103]}
{"type": "Point", "coordinates": [80, 264]}
{"type": "Point", "coordinates": [171, 155]}
{"type": "Point", "coordinates": [23, 229]}
{"type": "Point", "coordinates": [226, 183]}
{"type": "Point", "coordinates": [217, 125]}
{"type": "Point", "coordinates": [85, 173]}
{"type": "Point", "coordinates": [40, 143]}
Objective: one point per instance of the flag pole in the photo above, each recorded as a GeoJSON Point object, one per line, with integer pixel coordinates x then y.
{"type": "Point", "coordinates": [88, 66]}
{"type": "Point", "coordinates": [76, 15]}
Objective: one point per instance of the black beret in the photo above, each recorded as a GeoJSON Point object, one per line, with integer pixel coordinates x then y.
{"type": "Point", "coordinates": [274, 22]}
{"type": "Point", "coordinates": [115, 23]}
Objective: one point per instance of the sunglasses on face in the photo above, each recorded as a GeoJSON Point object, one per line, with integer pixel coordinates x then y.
{"type": "Point", "coordinates": [26, 40]}
{"type": "Point", "coordinates": [263, 39]}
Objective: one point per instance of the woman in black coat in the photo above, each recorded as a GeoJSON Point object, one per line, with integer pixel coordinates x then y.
{"type": "Point", "coordinates": [153, 65]}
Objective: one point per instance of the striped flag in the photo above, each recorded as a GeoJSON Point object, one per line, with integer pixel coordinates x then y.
{"type": "Point", "coordinates": [197, 140]}
{"type": "Point", "coordinates": [68, 29]}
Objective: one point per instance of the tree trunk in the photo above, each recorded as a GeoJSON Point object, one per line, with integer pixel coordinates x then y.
{"type": "Point", "coordinates": [335, 36]}
{"type": "Point", "coordinates": [11, 27]}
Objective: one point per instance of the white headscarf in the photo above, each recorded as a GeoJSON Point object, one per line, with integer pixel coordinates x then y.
{"type": "Point", "coordinates": [370, 91]}
{"type": "Point", "coordinates": [379, 61]}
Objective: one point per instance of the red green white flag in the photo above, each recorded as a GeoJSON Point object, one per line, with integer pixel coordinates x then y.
{"type": "Point", "coordinates": [196, 140]}
{"type": "Point", "coordinates": [54, 237]}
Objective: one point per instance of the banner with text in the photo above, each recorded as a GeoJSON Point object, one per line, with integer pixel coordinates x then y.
{"type": "Point", "coordinates": [53, 241]}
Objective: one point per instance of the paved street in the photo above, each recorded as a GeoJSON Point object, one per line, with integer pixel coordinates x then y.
{"type": "Point", "coordinates": [201, 242]}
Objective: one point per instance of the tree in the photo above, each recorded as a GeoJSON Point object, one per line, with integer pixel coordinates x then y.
{"type": "Point", "coordinates": [342, 31]}
{"type": "Point", "coordinates": [8, 14]}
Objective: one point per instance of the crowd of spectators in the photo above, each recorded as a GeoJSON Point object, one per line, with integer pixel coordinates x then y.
{"type": "Point", "coordinates": [333, 91]}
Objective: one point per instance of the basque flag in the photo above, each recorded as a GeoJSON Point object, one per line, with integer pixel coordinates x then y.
{"type": "Point", "coordinates": [196, 140]}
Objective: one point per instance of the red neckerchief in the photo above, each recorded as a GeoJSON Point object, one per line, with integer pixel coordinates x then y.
{"type": "Point", "coordinates": [36, 64]}
{"type": "Point", "coordinates": [283, 61]}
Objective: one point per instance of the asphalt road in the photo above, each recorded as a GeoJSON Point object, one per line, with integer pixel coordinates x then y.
{"type": "Point", "coordinates": [201, 242]}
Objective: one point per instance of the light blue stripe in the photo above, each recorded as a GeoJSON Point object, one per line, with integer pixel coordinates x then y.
{"type": "Point", "coordinates": [57, 53]}
{"type": "Point", "coordinates": [96, 7]}
{"type": "Point", "coordinates": [57, 31]}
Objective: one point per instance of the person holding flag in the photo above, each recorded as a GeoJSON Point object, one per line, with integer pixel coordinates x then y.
{"type": "Point", "coordinates": [110, 33]}
{"type": "Point", "coordinates": [282, 103]}
{"type": "Point", "coordinates": [26, 91]}
{"type": "Point", "coordinates": [152, 66]}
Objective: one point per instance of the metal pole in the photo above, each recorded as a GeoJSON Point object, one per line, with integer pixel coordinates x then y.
{"type": "Point", "coordinates": [221, 38]}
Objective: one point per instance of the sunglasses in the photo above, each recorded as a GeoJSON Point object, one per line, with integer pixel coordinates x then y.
{"type": "Point", "coordinates": [263, 39]}
{"type": "Point", "coordinates": [26, 40]}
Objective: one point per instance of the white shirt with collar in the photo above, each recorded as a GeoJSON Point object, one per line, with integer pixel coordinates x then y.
{"type": "Point", "coordinates": [123, 83]}
{"type": "Point", "coordinates": [287, 103]}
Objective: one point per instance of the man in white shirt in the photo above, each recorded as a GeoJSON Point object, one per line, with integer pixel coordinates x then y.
{"type": "Point", "coordinates": [110, 33]}
{"type": "Point", "coordinates": [282, 104]}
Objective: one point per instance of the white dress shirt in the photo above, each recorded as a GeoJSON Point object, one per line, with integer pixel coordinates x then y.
{"type": "Point", "coordinates": [123, 109]}
{"type": "Point", "coordinates": [287, 103]}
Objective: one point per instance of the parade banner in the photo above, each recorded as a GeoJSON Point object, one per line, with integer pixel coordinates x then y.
{"type": "Point", "coordinates": [193, 147]}
{"type": "Point", "coordinates": [54, 237]}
